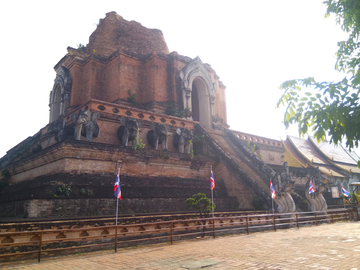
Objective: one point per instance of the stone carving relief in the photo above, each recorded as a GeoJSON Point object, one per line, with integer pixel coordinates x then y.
{"type": "Point", "coordinates": [85, 125]}
{"type": "Point", "coordinates": [217, 122]}
{"type": "Point", "coordinates": [316, 200]}
{"type": "Point", "coordinates": [158, 135]}
{"type": "Point", "coordinates": [182, 140]}
{"type": "Point", "coordinates": [283, 186]}
{"type": "Point", "coordinates": [56, 128]}
{"type": "Point", "coordinates": [129, 131]}
{"type": "Point", "coordinates": [194, 70]}
{"type": "Point", "coordinates": [60, 94]}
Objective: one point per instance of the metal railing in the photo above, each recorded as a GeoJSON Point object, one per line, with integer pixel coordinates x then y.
{"type": "Point", "coordinates": [40, 243]}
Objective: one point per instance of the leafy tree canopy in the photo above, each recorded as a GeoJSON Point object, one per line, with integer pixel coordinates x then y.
{"type": "Point", "coordinates": [330, 108]}
{"type": "Point", "coordinates": [200, 203]}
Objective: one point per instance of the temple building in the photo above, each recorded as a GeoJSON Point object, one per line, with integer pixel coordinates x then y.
{"type": "Point", "coordinates": [125, 103]}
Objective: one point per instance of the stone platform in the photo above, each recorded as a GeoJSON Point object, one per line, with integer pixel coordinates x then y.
{"type": "Point", "coordinates": [330, 246]}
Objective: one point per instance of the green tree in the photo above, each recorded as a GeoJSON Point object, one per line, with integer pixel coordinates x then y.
{"type": "Point", "coordinates": [200, 203]}
{"type": "Point", "coordinates": [330, 108]}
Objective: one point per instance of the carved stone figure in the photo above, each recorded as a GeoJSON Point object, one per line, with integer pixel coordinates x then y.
{"type": "Point", "coordinates": [56, 128]}
{"type": "Point", "coordinates": [284, 201]}
{"type": "Point", "coordinates": [316, 200]}
{"type": "Point", "coordinates": [129, 131]}
{"type": "Point", "coordinates": [86, 125]}
{"type": "Point", "coordinates": [182, 140]}
{"type": "Point", "coordinates": [158, 135]}
{"type": "Point", "coordinates": [216, 122]}
{"type": "Point", "coordinates": [283, 186]}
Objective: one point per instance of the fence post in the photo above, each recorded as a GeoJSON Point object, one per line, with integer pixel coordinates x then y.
{"type": "Point", "coordinates": [40, 247]}
{"type": "Point", "coordinates": [213, 227]}
{"type": "Point", "coordinates": [297, 221]}
{"type": "Point", "coordinates": [316, 221]}
{"type": "Point", "coordinates": [115, 238]}
{"type": "Point", "coordinates": [274, 223]}
{"type": "Point", "coordinates": [171, 232]}
{"type": "Point", "coordinates": [247, 225]}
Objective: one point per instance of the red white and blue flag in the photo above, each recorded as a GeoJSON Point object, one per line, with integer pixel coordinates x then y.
{"type": "Point", "coordinates": [212, 181]}
{"type": "Point", "coordinates": [311, 187]}
{"type": "Point", "coordinates": [345, 192]}
{"type": "Point", "coordinates": [272, 190]}
{"type": "Point", "coordinates": [117, 188]}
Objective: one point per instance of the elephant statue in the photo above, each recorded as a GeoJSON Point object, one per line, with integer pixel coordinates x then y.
{"type": "Point", "coordinates": [158, 135]}
{"type": "Point", "coordinates": [129, 131]}
{"type": "Point", "coordinates": [182, 140]}
{"type": "Point", "coordinates": [56, 128]}
{"type": "Point", "coordinates": [86, 125]}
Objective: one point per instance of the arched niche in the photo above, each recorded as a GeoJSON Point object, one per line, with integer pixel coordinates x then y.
{"type": "Point", "coordinates": [198, 91]}
{"type": "Point", "coordinates": [55, 103]}
{"type": "Point", "coordinates": [200, 102]}
{"type": "Point", "coordinates": [60, 94]}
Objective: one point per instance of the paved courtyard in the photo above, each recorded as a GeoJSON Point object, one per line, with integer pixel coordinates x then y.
{"type": "Point", "coordinates": [329, 246]}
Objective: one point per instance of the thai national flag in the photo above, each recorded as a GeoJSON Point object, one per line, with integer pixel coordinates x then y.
{"type": "Point", "coordinates": [311, 187]}
{"type": "Point", "coordinates": [345, 192]}
{"type": "Point", "coordinates": [117, 188]}
{"type": "Point", "coordinates": [272, 190]}
{"type": "Point", "coordinates": [212, 181]}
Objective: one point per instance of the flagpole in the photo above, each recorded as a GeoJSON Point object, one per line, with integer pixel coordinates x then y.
{"type": "Point", "coordinates": [212, 197]}
{"type": "Point", "coordinates": [272, 199]}
{"type": "Point", "coordinates": [117, 201]}
{"type": "Point", "coordinates": [212, 202]}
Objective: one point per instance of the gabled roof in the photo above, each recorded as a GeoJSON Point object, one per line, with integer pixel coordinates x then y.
{"type": "Point", "coordinates": [353, 154]}
{"type": "Point", "coordinates": [308, 155]}
{"type": "Point", "coordinates": [337, 155]}
{"type": "Point", "coordinates": [333, 152]}
{"type": "Point", "coordinates": [308, 151]}
{"type": "Point", "coordinates": [292, 157]}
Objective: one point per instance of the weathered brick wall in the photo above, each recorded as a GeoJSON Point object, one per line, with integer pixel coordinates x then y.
{"type": "Point", "coordinates": [152, 78]}
{"type": "Point", "coordinates": [113, 72]}
{"type": "Point", "coordinates": [220, 103]}
{"type": "Point", "coordinates": [92, 194]}
{"type": "Point", "coordinates": [93, 207]}
{"type": "Point", "coordinates": [233, 185]}
{"type": "Point", "coordinates": [77, 96]}
{"type": "Point", "coordinates": [84, 157]}
{"type": "Point", "coordinates": [114, 33]}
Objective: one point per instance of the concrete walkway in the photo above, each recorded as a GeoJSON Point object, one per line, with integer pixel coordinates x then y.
{"type": "Point", "coordinates": [329, 246]}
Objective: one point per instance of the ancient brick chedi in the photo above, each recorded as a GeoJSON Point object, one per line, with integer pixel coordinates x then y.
{"type": "Point", "coordinates": [125, 102]}
{"type": "Point", "coordinates": [125, 61]}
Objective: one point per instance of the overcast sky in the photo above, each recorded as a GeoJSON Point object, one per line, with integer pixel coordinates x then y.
{"type": "Point", "coordinates": [252, 45]}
